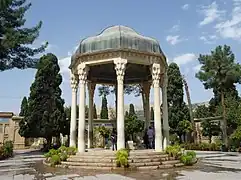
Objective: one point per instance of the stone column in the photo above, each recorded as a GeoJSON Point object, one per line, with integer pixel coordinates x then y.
{"type": "Point", "coordinates": [120, 65]}
{"type": "Point", "coordinates": [165, 111]}
{"type": "Point", "coordinates": [74, 87]}
{"type": "Point", "coordinates": [82, 72]}
{"type": "Point", "coordinates": [146, 89]}
{"type": "Point", "coordinates": [91, 89]}
{"type": "Point", "coordinates": [157, 109]}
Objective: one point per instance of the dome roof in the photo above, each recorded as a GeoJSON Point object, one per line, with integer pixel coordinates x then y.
{"type": "Point", "coordinates": [118, 37]}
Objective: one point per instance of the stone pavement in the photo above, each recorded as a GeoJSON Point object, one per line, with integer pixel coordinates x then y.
{"type": "Point", "coordinates": [27, 165]}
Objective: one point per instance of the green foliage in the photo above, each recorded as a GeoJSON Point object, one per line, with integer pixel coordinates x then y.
{"type": "Point", "coordinates": [6, 150]}
{"type": "Point", "coordinates": [104, 132]}
{"type": "Point", "coordinates": [55, 159]}
{"type": "Point", "coordinates": [15, 39]}
{"type": "Point", "coordinates": [45, 116]}
{"type": "Point", "coordinates": [132, 110]}
{"type": "Point", "coordinates": [174, 151]}
{"type": "Point", "coordinates": [126, 114]}
{"type": "Point", "coordinates": [177, 109]}
{"type": "Point", "coordinates": [122, 158]}
{"type": "Point", "coordinates": [94, 112]}
{"type": "Point", "coordinates": [104, 108]}
{"type": "Point", "coordinates": [184, 127]}
{"type": "Point", "coordinates": [132, 127]}
{"type": "Point", "coordinates": [24, 107]}
{"type": "Point", "coordinates": [189, 158]}
{"type": "Point", "coordinates": [210, 129]}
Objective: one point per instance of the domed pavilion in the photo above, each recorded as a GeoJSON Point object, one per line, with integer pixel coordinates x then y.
{"type": "Point", "coordinates": [118, 56]}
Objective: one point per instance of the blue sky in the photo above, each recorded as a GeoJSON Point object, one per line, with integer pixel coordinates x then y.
{"type": "Point", "coordinates": [184, 29]}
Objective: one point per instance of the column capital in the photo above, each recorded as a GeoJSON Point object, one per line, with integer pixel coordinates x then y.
{"type": "Point", "coordinates": [82, 72]}
{"type": "Point", "coordinates": [120, 66]}
{"type": "Point", "coordinates": [156, 71]}
{"type": "Point", "coordinates": [74, 81]}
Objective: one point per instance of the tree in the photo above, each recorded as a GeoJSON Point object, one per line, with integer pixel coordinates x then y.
{"type": "Point", "coordinates": [104, 108]}
{"type": "Point", "coordinates": [152, 113]}
{"type": "Point", "coordinates": [94, 112]}
{"type": "Point", "coordinates": [15, 39]}
{"type": "Point", "coordinates": [24, 107]}
{"type": "Point", "coordinates": [45, 116]}
{"type": "Point", "coordinates": [220, 72]}
{"type": "Point", "coordinates": [209, 128]}
{"type": "Point", "coordinates": [132, 110]}
{"type": "Point", "coordinates": [132, 127]}
{"type": "Point", "coordinates": [177, 109]}
{"type": "Point", "coordinates": [126, 114]}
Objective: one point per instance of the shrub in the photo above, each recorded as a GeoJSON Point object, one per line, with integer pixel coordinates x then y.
{"type": "Point", "coordinates": [122, 158]}
{"type": "Point", "coordinates": [63, 156]}
{"type": "Point", "coordinates": [54, 160]}
{"type": "Point", "coordinates": [189, 158]}
{"type": "Point", "coordinates": [7, 149]}
{"type": "Point", "coordinates": [202, 146]}
{"type": "Point", "coordinates": [71, 150]}
{"type": "Point", "coordinates": [1, 153]}
{"type": "Point", "coordinates": [51, 153]}
{"type": "Point", "coordinates": [174, 151]}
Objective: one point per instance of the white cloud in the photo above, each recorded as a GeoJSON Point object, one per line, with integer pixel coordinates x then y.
{"type": "Point", "coordinates": [175, 28]}
{"type": "Point", "coordinates": [211, 13]}
{"type": "Point", "coordinates": [184, 58]}
{"type": "Point", "coordinates": [210, 39]}
{"type": "Point", "coordinates": [173, 40]}
{"type": "Point", "coordinates": [231, 28]}
{"type": "Point", "coordinates": [185, 6]}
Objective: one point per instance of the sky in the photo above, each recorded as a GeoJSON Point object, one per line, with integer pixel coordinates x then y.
{"type": "Point", "coordinates": [184, 29]}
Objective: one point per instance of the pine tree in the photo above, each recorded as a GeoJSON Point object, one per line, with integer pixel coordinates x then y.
{"type": "Point", "coordinates": [220, 72]}
{"type": "Point", "coordinates": [94, 112]}
{"type": "Point", "coordinates": [45, 116]}
{"type": "Point", "coordinates": [24, 107]}
{"type": "Point", "coordinates": [15, 38]}
{"type": "Point", "coordinates": [132, 110]}
{"type": "Point", "coordinates": [104, 108]}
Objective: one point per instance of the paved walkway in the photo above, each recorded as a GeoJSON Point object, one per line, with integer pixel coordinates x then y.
{"type": "Point", "coordinates": [27, 165]}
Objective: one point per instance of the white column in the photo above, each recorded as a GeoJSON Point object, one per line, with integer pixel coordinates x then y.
{"type": "Point", "coordinates": [74, 87]}
{"type": "Point", "coordinates": [146, 89]}
{"type": "Point", "coordinates": [91, 90]}
{"type": "Point", "coordinates": [82, 72]}
{"type": "Point", "coordinates": [157, 109]}
{"type": "Point", "coordinates": [120, 65]}
{"type": "Point", "coordinates": [165, 111]}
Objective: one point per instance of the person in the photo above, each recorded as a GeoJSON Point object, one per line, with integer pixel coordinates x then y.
{"type": "Point", "coordinates": [114, 139]}
{"type": "Point", "coordinates": [145, 139]}
{"type": "Point", "coordinates": [150, 134]}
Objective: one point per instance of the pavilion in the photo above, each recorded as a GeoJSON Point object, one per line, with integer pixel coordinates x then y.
{"type": "Point", "coordinates": [118, 56]}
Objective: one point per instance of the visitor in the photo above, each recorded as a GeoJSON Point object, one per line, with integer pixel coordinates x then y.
{"type": "Point", "coordinates": [114, 139]}
{"type": "Point", "coordinates": [145, 139]}
{"type": "Point", "coordinates": [150, 134]}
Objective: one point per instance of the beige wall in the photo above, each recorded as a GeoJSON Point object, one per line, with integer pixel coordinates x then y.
{"type": "Point", "coordinates": [9, 126]}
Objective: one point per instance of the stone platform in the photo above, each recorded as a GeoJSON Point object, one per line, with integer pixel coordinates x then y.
{"type": "Point", "coordinates": [106, 159]}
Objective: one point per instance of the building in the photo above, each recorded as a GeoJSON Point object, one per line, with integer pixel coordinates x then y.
{"type": "Point", "coordinates": [9, 126]}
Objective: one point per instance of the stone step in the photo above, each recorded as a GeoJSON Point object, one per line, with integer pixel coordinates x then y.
{"type": "Point", "coordinates": [90, 167]}
{"type": "Point", "coordinates": [136, 160]}
{"type": "Point", "coordinates": [149, 156]}
{"type": "Point", "coordinates": [145, 153]}
{"type": "Point", "coordinates": [172, 162]}
{"type": "Point", "coordinates": [147, 167]}
{"type": "Point", "coordinates": [91, 160]}
{"type": "Point", "coordinates": [94, 164]}
{"type": "Point", "coordinates": [144, 164]}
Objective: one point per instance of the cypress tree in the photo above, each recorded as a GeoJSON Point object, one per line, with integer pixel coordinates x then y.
{"type": "Point", "coordinates": [132, 110]}
{"type": "Point", "coordinates": [94, 112]}
{"type": "Point", "coordinates": [45, 116]}
{"type": "Point", "coordinates": [15, 39]}
{"type": "Point", "coordinates": [24, 107]}
{"type": "Point", "coordinates": [104, 108]}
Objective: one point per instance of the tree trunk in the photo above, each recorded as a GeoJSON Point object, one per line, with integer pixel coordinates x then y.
{"type": "Point", "coordinates": [194, 134]}
{"type": "Point", "coordinates": [224, 123]}
{"type": "Point", "coordinates": [210, 139]}
{"type": "Point", "coordinates": [49, 141]}
{"type": "Point", "coordinates": [144, 106]}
